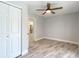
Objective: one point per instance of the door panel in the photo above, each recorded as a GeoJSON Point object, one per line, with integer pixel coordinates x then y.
{"type": "Point", "coordinates": [3, 29]}
{"type": "Point", "coordinates": [15, 31]}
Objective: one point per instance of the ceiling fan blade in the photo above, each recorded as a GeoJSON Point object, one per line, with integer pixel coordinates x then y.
{"type": "Point", "coordinates": [44, 12]}
{"type": "Point", "coordinates": [52, 12]}
{"type": "Point", "coordinates": [57, 8]}
{"type": "Point", "coordinates": [41, 9]}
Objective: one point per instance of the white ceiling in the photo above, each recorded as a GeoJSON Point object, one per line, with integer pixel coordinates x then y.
{"type": "Point", "coordinates": [68, 7]}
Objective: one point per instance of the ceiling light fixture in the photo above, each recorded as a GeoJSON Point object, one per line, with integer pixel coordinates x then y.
{"type": "Point", "coordinates": [48, 11]}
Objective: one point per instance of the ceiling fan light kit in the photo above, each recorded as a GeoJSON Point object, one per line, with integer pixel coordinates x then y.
{"type": "Point", "coordinates": [48, 11]}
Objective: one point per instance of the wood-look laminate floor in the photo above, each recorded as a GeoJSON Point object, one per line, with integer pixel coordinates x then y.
{"type": "Point", "coordinates": [52, 49]}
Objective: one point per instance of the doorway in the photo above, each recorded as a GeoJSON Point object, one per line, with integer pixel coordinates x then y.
{"type": "Point", "coordinates": [31, 38]}
{"type": "Point", "coordinates": [31, 30]}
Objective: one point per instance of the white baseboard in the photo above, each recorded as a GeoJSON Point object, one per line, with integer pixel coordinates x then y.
{"type": "Point", "coordinates": [24, 53]}
{"type": "Point", "coordinates": [62, 40]}
{"type": "Point", "coordinates": [38, 39]}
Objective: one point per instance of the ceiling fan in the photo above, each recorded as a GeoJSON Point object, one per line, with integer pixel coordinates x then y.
{"type": "Point", "coordinates": [49, 9]}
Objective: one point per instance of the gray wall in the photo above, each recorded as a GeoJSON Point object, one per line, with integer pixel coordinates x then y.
{"type": "Point", "coordinates": [64, 27]}
{"type": "Point", "coordinates": [39, 27]}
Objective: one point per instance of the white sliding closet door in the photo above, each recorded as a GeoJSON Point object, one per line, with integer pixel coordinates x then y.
{"type": "Point", "coordinates": [3, 29]}
{"type": "Point", "coordinates": [15, 31]}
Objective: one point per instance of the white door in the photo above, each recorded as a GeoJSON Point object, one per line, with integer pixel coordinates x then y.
{"type": "Point", "coordinates": [15, 31]}
{"type": "Point", "coordinates": [3, 29]}
{"type": "Point", "coordinates": [10, 31]}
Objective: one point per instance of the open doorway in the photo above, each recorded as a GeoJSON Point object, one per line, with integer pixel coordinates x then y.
{"type": "Point", "coordinates": [31, 30]}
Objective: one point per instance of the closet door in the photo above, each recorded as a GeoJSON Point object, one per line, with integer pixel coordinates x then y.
{"type": "Point", "coordinates": [15, 31]}
{"type": "Point", "coordinates": [3, 29]}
